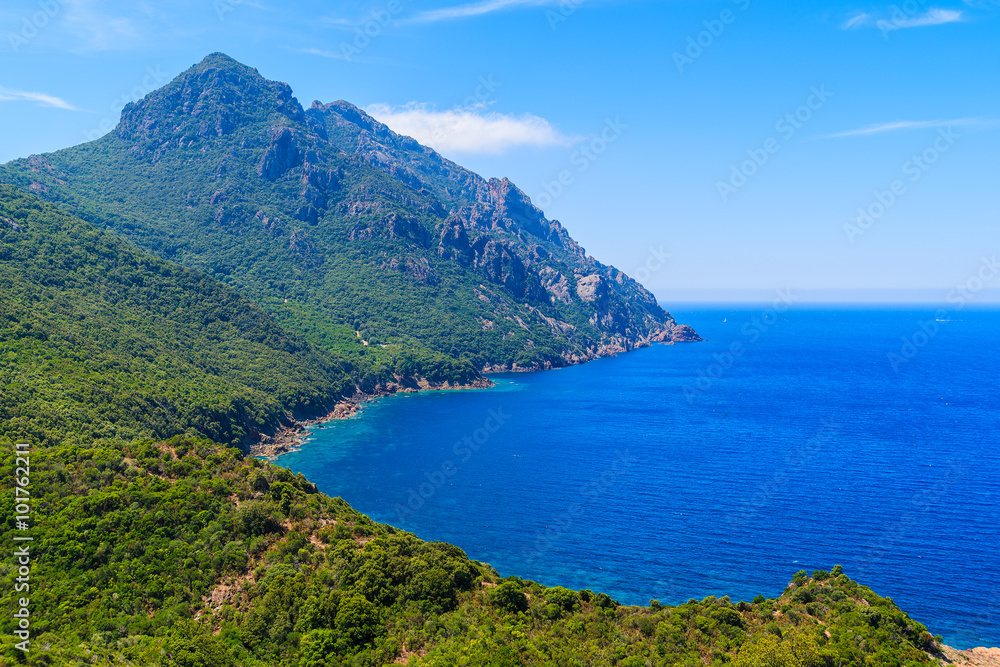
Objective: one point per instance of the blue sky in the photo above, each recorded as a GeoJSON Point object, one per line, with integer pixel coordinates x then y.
{"type": "Point", "coordinates": [719, 149]}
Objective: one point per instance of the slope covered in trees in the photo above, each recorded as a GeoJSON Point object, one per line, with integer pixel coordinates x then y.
{"type": "Point", "coordinates": [100, 340]}
{"type": "Point", "coordinates": [186, 553]}
{"type": "Point", "coordinates": [153, 545]}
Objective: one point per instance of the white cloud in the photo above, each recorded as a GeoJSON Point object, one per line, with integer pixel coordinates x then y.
{"type": "Point", "coordinates": [468, 130]}
{"type": "Point", "coordinates": [932, 17]}
{"type": "Point", "coordinates": [8, 95]}
{"type": "Point", "coordinates": [856, 22]}
{"type": "Point", "coordinates": [322, 53]}
{"type": "Point", "coordinates": [899, 19]}
{"type": "Point", "coordinates": [476, 9]}
{"type": "Point", "coordinates": [901, 125]}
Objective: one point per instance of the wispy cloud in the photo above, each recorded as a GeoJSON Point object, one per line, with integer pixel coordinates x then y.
{"type": "Point", "coordinates": [321, 53]}
{"type": "Point", "coordinates": [41, 99]}
{"type": "Point", "coordinates": [475, 9]}
{"type": "Point", "coordinates": [857, 21]}
{"type": "Point", "coordinates": [932, 17]}
{"type": "Point", "coordinates": [902, 125]}
{"type": "Point", "coordinates": [900, 19]}
{"type": "Point", "coordinates": [337, 21]}
{"type": "Point", "coordinates": [469, 130]}
{"type": "Point", "coordinates": [98, 30]}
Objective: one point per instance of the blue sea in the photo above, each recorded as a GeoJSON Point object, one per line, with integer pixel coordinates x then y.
{"type": "Point", "coordinates": [795, 438]}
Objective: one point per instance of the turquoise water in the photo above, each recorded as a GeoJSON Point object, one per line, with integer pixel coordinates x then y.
{"type": "Point", "coordinates": [788, 441]}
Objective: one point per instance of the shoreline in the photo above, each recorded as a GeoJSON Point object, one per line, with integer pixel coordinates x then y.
{"type": "Point", "coordinates": [291, 438]}
{"type": "Point", "coordinates": [971, 657]}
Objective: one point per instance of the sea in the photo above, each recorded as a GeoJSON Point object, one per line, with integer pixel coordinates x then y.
{"type": "Point", "coordinates": [797, 437]}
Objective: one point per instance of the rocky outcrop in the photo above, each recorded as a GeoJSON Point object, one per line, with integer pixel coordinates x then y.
{"type": "Point", "coordinates": [391, 227]}
{"type": "Point", "coordinates": [973, 657]}
{"type": "Point", "coordinates": [591, 288]}
{"type": "Point", "coordinates": [680, 333]}
{"type": "Point", "coordinates": [213, 99]}
{"type": "Point", "coordinates": [281, 155]}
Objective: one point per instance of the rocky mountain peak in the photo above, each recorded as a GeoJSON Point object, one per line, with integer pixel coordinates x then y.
{"type": "Point", "coordinates": [213, 98]}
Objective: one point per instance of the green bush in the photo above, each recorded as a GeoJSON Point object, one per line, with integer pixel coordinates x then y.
{"type": "Point", "coordinates": [508, 597]}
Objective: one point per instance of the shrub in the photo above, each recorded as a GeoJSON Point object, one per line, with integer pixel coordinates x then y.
{"type": "Point", "coordinates": [508, 597]}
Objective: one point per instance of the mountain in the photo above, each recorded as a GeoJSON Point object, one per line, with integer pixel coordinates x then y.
{"type": "Point", "coordinates": [101, 341]}
{"type": "Point", "coordinates": [342, 228]}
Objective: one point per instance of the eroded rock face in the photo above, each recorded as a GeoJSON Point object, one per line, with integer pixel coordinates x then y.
{"type": "Point", "coordinates": [392, 226]}
{"type": "Point", "coordinates": [281, 155]}
{"type": "Point", "coordinates": [302, 244]}
{"type": "Point", "coordinates": [589, 288]}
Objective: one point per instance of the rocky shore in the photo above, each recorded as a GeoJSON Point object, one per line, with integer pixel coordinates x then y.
{"type": "Point", "coordinates": [290, 437]}
{"type": "Point", "coordinates": [973, 657]}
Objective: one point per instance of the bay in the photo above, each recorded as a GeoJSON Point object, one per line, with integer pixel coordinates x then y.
{"type": "Point", "coordinates": [796, 440]}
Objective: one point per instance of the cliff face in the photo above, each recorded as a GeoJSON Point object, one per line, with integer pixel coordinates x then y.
{"type": "Point", "coordinates": [328, 209]}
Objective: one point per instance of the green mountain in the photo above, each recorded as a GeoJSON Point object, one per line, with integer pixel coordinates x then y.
{"type": "Point", "coordinates": [342, 228]}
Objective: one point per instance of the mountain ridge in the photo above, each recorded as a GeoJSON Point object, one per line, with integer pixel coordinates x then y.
{"type": "Point", "coordinates": [325, 207]}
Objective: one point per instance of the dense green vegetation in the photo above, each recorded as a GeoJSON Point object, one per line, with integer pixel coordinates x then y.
{"type": "Point", "coordinates": [183, 553]}
{"type": "Point", "coordinates": [100, 340]}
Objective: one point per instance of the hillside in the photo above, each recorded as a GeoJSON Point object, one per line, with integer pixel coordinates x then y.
{"type": "Point", "coordinates": [94, 330]}
{"type": "Point", "coordinates": [137, 377]}
{"type": "Point", "coordinates": [99, 340]}
{"type": "Point", "coordinates": [337, 225]}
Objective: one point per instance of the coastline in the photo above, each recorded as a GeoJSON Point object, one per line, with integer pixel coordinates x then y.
{"type": "Point", "coordinates": [291, 437]}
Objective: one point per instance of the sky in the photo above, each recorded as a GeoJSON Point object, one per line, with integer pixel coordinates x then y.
{"type": "Point", "coordinates": [713, 150]}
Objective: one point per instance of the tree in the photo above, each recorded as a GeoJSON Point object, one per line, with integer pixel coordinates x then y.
{"type": "Point", "coordinates": [317, 647]}
{"type": "Point", "coordinates": [357, 621]}
{"type": "Point", "coordinates": [193, 645]}
{"type": "Point", "coordinates": [508, 597]}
